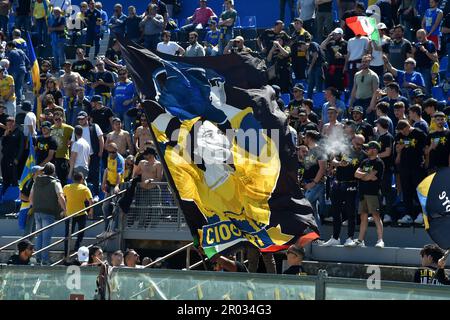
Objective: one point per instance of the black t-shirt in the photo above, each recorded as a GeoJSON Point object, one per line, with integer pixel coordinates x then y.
{"type": "Point", "coordinates": [15, 260]}
{"type": "Point", "coordinates": [313, 117]}
{"type": "Point", "coordinates": [413, 152]}
{"type": "Point", "coordinates": [365, 129]}
{"type": "Point", "coordinates": [332, 51]}
{"type": "Point", "coordinates": [387, 141]}
{"type": "Point", "coordinates": [26, 189]}
{"type": "Point", "coordinates": [354, 159]}
{"type": "Point", "coordinates": [101, 117]}
{"type": "Point", "coordinates": [422, 60]}
{"type": "Point", "coordinates": [299, 61]}
{"type": "Point", "coordinates": [311, 163]}
{"type": "Point", "coordinates": [56, 95]}
{"type": "Point", "coordinates": [431, 275]}
{"type": "Point", "coordinates": [3, 118]}
{"type": "Point", "coordinates": [294, 104]}
{"type": "Point", "coordinates": [107, 77]}
{"type": "Point", "coordinates": [296, 270]}
{"type": "Point", "coordinates": [44, 76]}
{"type": "Point", "coordinates": [43, 146]}
{"type": "Point", "coordinates": [23, 8]}
{"type": "Point", "coordinates": [302, 128]}
{"type": "Point", "coordinates": [325, 7]}
{"type": "Point", "coordinates": [269, 36]}
{"type": "Point", "coordinates": [439, 156]}
{"type": "Point", "coordinates": [114, 56]}
{"type": "Point", "coordinates": [91, 18]}
{"type": "Point", "coordinates": [371, 187]}
{"type": "Point", "coordinates": [315, 48]}
{"type": "Point", "coordinates": [446, 24]}
{"type": "Point", "coordinates": [84, 68]}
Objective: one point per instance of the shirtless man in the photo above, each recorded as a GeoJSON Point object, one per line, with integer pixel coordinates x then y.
{"type": "Point", "coordinates": [70, 80]}
{"type": "Point", "coordinates": [142, 135]}
{"type": "Point", "coordinates": [150, 169]}
{"type": "Point", "coordinates": [121, 138]}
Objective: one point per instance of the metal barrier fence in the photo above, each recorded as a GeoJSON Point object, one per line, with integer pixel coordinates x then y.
{"type": "Point", "coordinates": [154, 208]}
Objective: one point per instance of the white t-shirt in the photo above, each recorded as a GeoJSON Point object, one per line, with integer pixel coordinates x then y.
{"type": "Point", "coordinates": [30, 120]}
{"type": "Point", "coordinates": [87, 135]}
{"type": "Point", "coordinates": [356, 48]}
{"type": "Point", "coordinates": [169, 48]}
{"type": "Point", "coordinates": [83, 150]}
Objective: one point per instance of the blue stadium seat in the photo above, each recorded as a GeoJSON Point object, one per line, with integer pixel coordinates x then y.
{"type": "Point", "coordinates": [11, 194]}
{"type": "Point", "coordinates": [237, 29]}
{"type": "Point", "coordinates": [443, 64]}
{"type": "Point", "coordinates": [438, 93]}
{"type": "Point", "coordinates": [249, 26]}
{"type": "Point", "coordinates": [286, 97]}
{"type": "Point", "coordinates": [318, 99]}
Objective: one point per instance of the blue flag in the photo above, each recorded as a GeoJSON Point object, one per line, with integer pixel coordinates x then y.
{"type": "Point", "coordinates": [31, 162]}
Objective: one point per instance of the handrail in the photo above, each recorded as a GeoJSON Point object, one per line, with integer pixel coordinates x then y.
{"type": "Point", "coordinates": [168, 255]}
{"type": "Point", "coordinates": [62, 220]}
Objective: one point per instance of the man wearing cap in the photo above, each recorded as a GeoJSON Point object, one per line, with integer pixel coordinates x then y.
{"type": "Point", "coordinates": [57, 29]}
{"type": "Point", "coordinates": [409, 146]}
{"type": "Point", "coordinates": [408, 80]}
{"type": "Point", "coordinates": [300, 33]}
{"type": "Point", "coordinates": [297, 101]}
{"type": "Point", "coordinates": [7, 92]}
{"type": "Point", "coordinates": [62, 133]}
{"type": "Point", "coordinates": [399, 48]}
{"type": "Point", "coordinates": [94, 138]}
{"type": "Point", "coordinates": [361, 126]}
{"type": "Point", "coordinates": [417, 97]}
{"type": "Point", "coordinates": [47, 200]}
{"type": "Point", "coordinates": [100, 114]}
{"type": "Point", "coordinates": [121, 138]}
{"type": "Point", "coordinates": [45, 145]}
{"type": "Point", "coordinates": [370, 174]}
{"type": "Point", "coordinates": [211, 41]}
{"type": "Point", "coordinates": [77, 194]}
{"type": "Point", "coordinates": [237, 45]}
{"type": "Point", "coordinates": [335, 48]}
{"type": "Point", "coordinates": [201, 17]}
{"type": "Point", "coordinates": [386, 141]}
{"type": "Point", "coordinates": [437, 150]}
{"type": "Point", "coordinates": [26, 250]}
{"type": "Point", "coordinates": [12, 149]}
{"type": "Point", "coordinates": [295, 256]}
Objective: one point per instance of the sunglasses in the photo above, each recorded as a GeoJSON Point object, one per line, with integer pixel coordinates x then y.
{"type": "Point", "coordinates": [57, 119]}
{"type": "Point", "coordinates": [123, 74]}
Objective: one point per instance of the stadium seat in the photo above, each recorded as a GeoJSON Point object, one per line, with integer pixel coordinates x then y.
{"type": "Point", "coordinates": [438, 93]}
{"type": "Point", "coordinates": [11, 194]}
{"type": "Point", "coordinates": [443, 64]}
{"type": "Point", "coordinates": [318, 99]}
{"type": "Point", "coordinates": [286, 97]}
{"type": "Point", "coordinates": [237, 29]}
{"type": "Point", "coordinates": [251, 44]}
{"type": "Point", "coordinates": [249, 27]}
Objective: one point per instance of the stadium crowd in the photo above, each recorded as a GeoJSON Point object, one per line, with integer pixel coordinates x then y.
{"type": "Point", "coordinates": [361, 111]}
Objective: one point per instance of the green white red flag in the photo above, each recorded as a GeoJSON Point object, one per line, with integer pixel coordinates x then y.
{"type": "Point", "coordinates": [365, 26]}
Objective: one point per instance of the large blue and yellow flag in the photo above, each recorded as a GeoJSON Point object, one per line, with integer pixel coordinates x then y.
{"type": "Point", "coordinates": [226, 149]}
{"type": "Point", "coordinates": [35, 73]}
{"type": "Point", "coordinates": [434, 197]}
{"type": "Point", "coordinates": [31, 162]}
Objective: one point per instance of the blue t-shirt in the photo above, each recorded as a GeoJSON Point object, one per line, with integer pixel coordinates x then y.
{"type": "Point", "coordinates": [414, 77]}
{"type": "Point", "coordinates": [57, 36]}
{"type": "Point", "coordinates": [212, 37]}
{"type": "Point", "coordinates": [123, 91]}
{"type": "Point", "coordinates": [118, 24]}
{"type": "Point", "coordinates": [339, 104]}
{"type": "Point", "coordinates": [18, 61]}
{"type": "Point", "coordinates": [422, 125]}
{"type": "Point", "coordinates": [430, 18]}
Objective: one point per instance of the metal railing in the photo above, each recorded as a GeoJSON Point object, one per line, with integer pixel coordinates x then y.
{"type": "Point", "coordinates": [70, 235]}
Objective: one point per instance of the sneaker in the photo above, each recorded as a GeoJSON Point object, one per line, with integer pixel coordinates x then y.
{"type": "Point", "coordinates": [405, 220]}
{"type": "Point", "coordinates": [101, 235]}
{"type": "Point", "coordinates": [96, 199]}
{"type": "Point", "coordinates": [348, 242]}
{"type": "Point", "coordinates": [328, 219]}
{"type": "Point", "coordinates": [387, 219]}
{"type": "Point", "coordinates": [332, 242]}
{"type": "Point", "coordinates": [356, 243]}
{"type": "Point", "coordinates": [380, 244]}
{"type": "Point", "coordinates": [419, 220]}
{"type": "Point", "coordinates": [370, 219]}
{"type": "Point", "coordinates": [345, 223]}
{"type": "Point", "coordinates": [318, 242]}
{"type": "Point", "coordinates": [109, 234]}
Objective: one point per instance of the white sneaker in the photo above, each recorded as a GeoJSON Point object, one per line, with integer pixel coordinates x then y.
{"type": "Point", "coordinates": [370, 219]}
{"type": "Point", "coordinates": [419, 219]}
{"type": "Point", "coordinates": [328, 219]}
{"type": "Point", "coordinates": [356, 243]}
{"type": "Point", "coordinates": [332, 242]}
{"type": "Point", "coordinates": [345, 223]}
{"type": "Point", "coordinates": [348, 242]}
{"type": "Point", "coordinates": [387, 219]}
{"type": "Point", "coordinates": [109, 234]}
{"type": "Point", "coordinates": [380, 244]}
{"type": "Point", "coordinates": [405, 220]}
{"type": "Point", "coordinates": [96, 199]}
{"type": "Point", "coordinates": [101, 235]}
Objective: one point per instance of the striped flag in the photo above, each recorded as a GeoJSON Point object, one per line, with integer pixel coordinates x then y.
{"type": "Point", "coordinates": [23, 214]}
{"type": "Point", "coordinates": [35, 73]}
{"type": "Point", "coordinates": [31, 162]}
{"type": "Point", "coordinates": [365, 26]}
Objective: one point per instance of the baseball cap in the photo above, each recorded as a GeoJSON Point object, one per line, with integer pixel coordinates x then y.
{"type": "Point", "coordinates": [381, 26]}
{"type": "Point", "coordinates": [10, 119]}
{"type": "Point", "coordinates": [299, 87]}
{"type": "Point", "coordinates": [332, 109]}
{"type": "Point", "coordinates": [338, 31]}
{"type": "Point", "coordinates": [83, 254]}
{"type": "Point", "coordinates": [26, 106]}
{"type": "Point", "coordinates": [301, 111]}
{"type": "Point", "coordinates": [298, 251]}
{"type": "Point", "coordinates": [388, 77]}
{"type": "Point", "coordinates": [151, 151]}
{"type": "Point", "coordinates": [82, 114]}
{"type": "Point", "coordinates": [358, 109]}
{"type": "Point", "coordinates": [116, 120]}
{"type": "Point", "coordinates": [418, 93]}
{"type": "Point", "coordinates": [35, 169]}
{"type": "Point", "coordinates": [46, 124]}
{"type": "Point", "coordinates": [439, 114]}
{"type": "Point", "coordinates": [373, 145]}
{"type": "Point", "coordinates": [96, 98]}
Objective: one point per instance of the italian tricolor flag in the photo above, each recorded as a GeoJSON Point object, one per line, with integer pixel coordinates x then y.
{"type": "Point", "coordinates": [364, 26]}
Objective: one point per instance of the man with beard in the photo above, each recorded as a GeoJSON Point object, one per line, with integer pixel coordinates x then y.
{"type": "Point", "coordinates": [399, 48]}
{"type": "Point", "coordinates": [195, 49]}
{"type": "Point", "coordinates": [437, 150]}
{"type": "Point", "coordinates": [361, 126]}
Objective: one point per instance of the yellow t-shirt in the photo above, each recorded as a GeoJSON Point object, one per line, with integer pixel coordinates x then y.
{"type": "Point", "coordinates": [5, 86]}
{"type": "Point", "coordinates": [39, 11]}
{"type": "Point", "coordinates": [76, 194]}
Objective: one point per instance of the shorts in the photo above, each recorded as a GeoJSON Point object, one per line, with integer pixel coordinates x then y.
{"type": "Point", "coordinates": [369, 204]}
